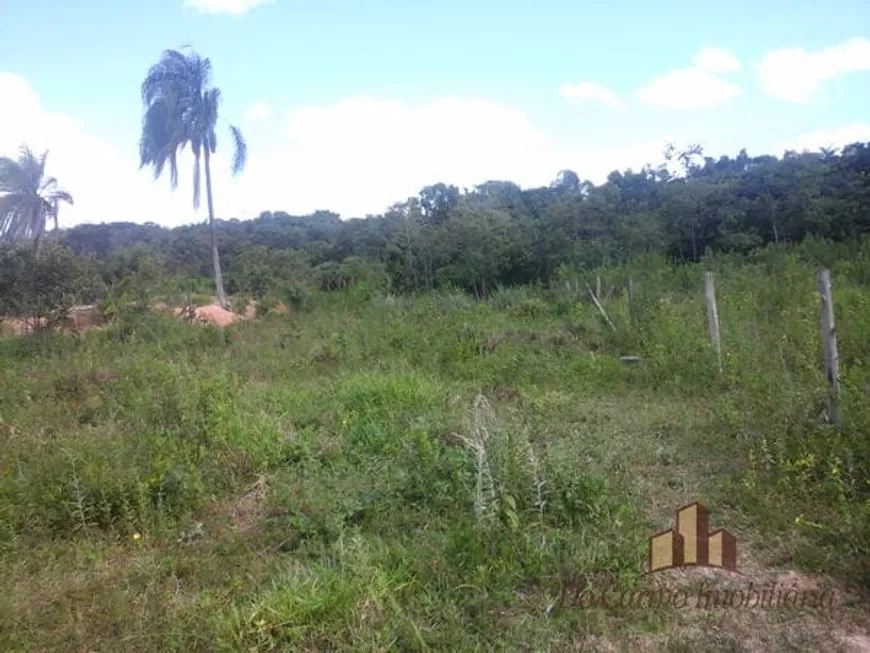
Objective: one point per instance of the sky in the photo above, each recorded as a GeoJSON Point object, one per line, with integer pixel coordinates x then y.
{"type": "Point", "coordinates": [352, 105]}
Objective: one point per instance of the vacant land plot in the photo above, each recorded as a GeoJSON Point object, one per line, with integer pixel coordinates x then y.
{"type": "Point", "coordinates": [438, 473]}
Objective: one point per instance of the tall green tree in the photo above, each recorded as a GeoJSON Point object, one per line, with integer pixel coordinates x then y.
{"type": "Point", "coordinates": [181, 109]}
{"type": "Point", "coordinates": [28, 197]}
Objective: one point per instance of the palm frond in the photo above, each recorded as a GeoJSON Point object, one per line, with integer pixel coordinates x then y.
{"type": "Point", "coordinates": [32, 166]}
{"type": "Point", "coordinates": [42, 159]}
{"type": "Point", "coordinates": [212, 99]}
{"type": "Point", "coordinates": [156, 132]}
{"type": "Point", "coordinates": [25, 155]}
{"type": "Point", "coordinates": [10, 213]}
{"type": "Point", "coordinates": [12, 177]}
{"type": "Point", "coordinates": [61, 196]}
{"type": "Point", "coordinates": [200, 71]}
{"type": "Point", "coordinates": [47, 184]}
{"type": "Point", "coordinates": [210, 108]}
{"type": "Point", "coordinates": [240, 153]}
{"type": "Point", "coordinates": [173, 168]}
{"type": "Point", "coordinates": [154, 85]}
{"type": "Point", "coordinates": [171, 71]}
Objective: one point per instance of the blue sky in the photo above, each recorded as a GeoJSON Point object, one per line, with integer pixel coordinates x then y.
{"type": "Point", "coordinates": [350, 106]}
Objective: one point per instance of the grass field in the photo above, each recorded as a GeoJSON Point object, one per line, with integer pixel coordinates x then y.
{"type": "Point", "coordinates": [310, 482]}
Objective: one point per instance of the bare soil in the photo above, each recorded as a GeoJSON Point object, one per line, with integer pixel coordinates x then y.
{"type": "Point", "coordinates": [89, 317]}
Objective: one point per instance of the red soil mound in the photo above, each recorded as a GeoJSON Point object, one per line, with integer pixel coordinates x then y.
{"type": "Point", "coordinates": [212, 314]}
{"type": "Point", "coordinates": [88, 317]}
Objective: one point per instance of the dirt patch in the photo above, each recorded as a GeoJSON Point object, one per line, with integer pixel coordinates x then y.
{"type": "Point", "coordinates": [16, 327]}
{"type": "Point", "coordinates": [213, 314]}
{"type": "Point", "coordinates": [246, 512]}
{"type": "Point", "coordinates": [221, 317]}
{"type": "Point", "coordinates": [81, 318]}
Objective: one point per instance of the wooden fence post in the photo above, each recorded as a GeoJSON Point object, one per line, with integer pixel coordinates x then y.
{"type": "Point", "coordinates": [829, 345]}
{"type": "Point", "coordinates": [600, 307]}
{"type": "Point", "coordinates": [713, 317]}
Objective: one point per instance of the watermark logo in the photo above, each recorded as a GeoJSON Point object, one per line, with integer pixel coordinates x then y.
{"type": "Point", "coordinates": [691, 544]}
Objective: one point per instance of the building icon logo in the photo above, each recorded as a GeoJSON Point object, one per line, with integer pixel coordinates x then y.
{"type": "Point", "coordinates": [691, 544]}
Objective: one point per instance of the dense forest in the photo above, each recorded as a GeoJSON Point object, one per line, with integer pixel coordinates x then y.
{"type": "Point", "coordinates": [499, 234]}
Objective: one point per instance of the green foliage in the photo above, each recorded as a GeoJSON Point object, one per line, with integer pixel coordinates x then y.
{"type": "Point", "coordinates": [240, 302]}
{"type": "Point", "coordinates": [498, 235]}
{"type": "Point", "coordinates": [328, 468]}
{"type": "Point", "coordinates": [266, 305]}
{"type": "Point", "coordinates": [43, 287]}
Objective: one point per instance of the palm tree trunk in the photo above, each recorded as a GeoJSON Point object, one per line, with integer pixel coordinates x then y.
{"type": "Point", "coordinates": [215, 258]}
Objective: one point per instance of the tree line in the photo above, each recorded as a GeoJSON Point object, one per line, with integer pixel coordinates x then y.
{"type": "Point", "coordinates": [499, 234]}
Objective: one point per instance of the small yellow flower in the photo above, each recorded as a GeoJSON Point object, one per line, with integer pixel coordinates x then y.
{"type": "Point", "coordinates": [136, 536]}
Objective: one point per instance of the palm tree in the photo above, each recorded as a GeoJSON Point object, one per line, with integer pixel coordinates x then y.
{"type": "Point", "coordinates": [28, 197]}
{"type": "Point", "coordinates": [181, 108]}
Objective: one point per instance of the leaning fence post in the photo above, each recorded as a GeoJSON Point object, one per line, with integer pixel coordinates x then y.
{"type": "Point", "coordinates": [600, 307]}
{"type": "Point", "coordinates": [829, 345]}
{"type": "Point", "coordinates": [713, 317]}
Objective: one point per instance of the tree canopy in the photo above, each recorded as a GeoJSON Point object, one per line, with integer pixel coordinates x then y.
{"type": "Point", "coordinates": [498, 233]}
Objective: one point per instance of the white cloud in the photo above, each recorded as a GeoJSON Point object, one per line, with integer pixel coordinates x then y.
{"type": "Point", "coordinates": [361, 154]}
{"type": "Point", "coordinates": [258, 111]}
{"type": "Point", "coordinates": [795, 75]}
{"type": "Point", "coordinates": [716, 60]}
{"type": "Point", "coordinates": [577, 93]}
{"type": "Point", "coordinates": [104, 181]}
{"type": "Point", "coordinates": [696, 87]}
{"type": "Point", "coordinates": [354, 156]}
{"type": "Point", "coordinates": [829, 138]}
{"type": "Point", "coordinates": [234, 7]}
